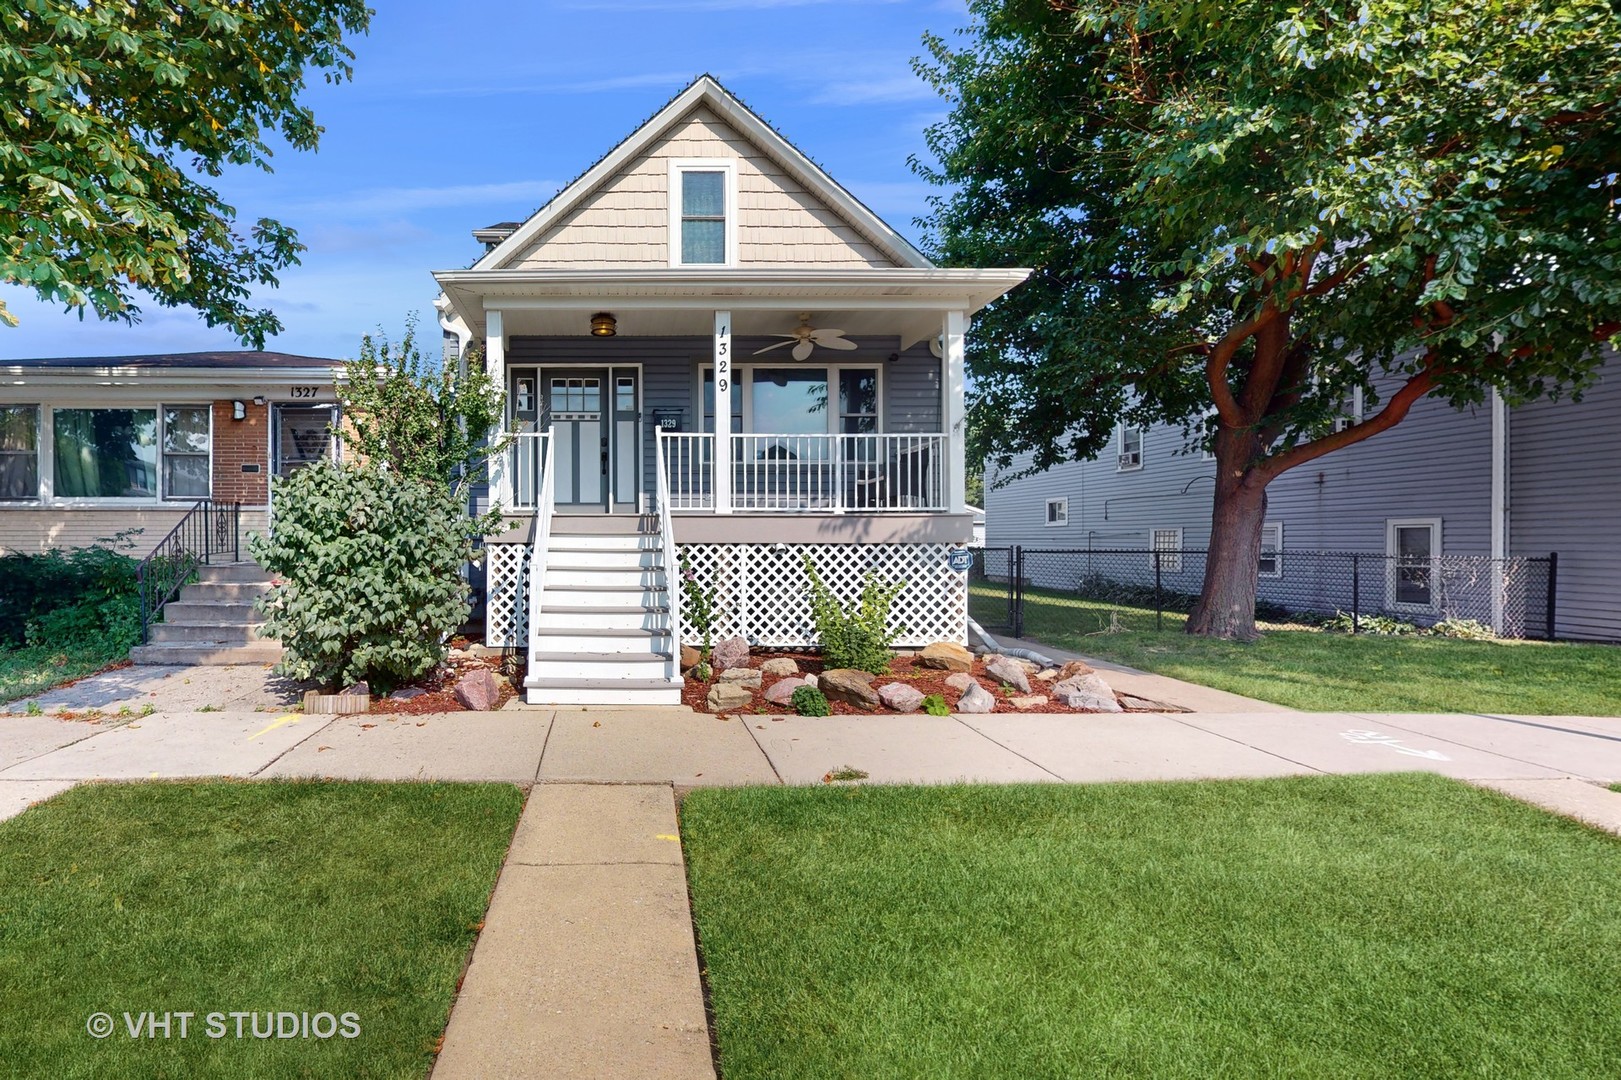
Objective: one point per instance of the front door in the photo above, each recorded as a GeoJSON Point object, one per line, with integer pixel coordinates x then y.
{"type": "Point", "coordinates": [594, 413]}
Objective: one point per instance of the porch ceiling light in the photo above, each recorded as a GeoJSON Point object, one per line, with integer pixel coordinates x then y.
{"type": "Point", "coordinates": [604, 325]}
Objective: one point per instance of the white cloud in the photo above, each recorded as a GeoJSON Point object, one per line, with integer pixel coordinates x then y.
{"type": "Point", "coordinates": [519, 196]}
{"type": "Point", "coordinates": [874, 91]}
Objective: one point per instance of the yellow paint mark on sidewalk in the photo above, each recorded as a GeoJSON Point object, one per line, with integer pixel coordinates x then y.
{"type": "Point", "coordinates": [667, 836]}
{"type": "Point", "coordinates": [280, 721]}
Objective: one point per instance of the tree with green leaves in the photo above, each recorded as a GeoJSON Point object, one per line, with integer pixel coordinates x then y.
{"type": "Point", "coordinates": [421, 418]}
{"type": "Point", "coordinates": [119, 115]}
{"type": "Point", "coordinates": [1239, 213]}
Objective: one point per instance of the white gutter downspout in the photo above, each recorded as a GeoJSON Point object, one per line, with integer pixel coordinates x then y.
{"type": "Point", "coordinates": [1500, 505]}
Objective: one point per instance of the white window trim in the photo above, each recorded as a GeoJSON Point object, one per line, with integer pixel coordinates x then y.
{"type": "Point", "coordinates": [728, 166]}
{"type": "Point", "coordinates": [1277, 550]}
{"type": "Point", "coordinates": [1142, 448]}
{"type": "Point", "coordinates": [46, 449]}
{"type": "Point", "coordinates": [1344, 420]}
{"type": "Point", "coordinates": [1062, 502]}
{"type": "Point", "coordinates": [743, 382]}
{"type": "Point", "coordinates": [1391, 555]}
{"type": "Point", "coordinates": [1173, 564]}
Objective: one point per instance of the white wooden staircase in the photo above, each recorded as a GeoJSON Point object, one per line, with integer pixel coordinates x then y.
{"type": "Point", "coordinates": [600, 615]}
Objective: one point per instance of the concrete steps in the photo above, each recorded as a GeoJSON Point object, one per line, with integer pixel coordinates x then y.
{"type": "Point", "coordinates": [213, 621]}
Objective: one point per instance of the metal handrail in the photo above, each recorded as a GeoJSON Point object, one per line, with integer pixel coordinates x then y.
{"type": "Point", "coordinates": [544, 502]}
{"type": "Point", "coordinates": [206, 530]}
{"type": "Point", "coordinates": [672, 568]}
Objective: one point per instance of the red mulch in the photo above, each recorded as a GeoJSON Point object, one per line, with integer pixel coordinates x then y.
{"type": "Point", "coordinates": [902, 669]}
{"type": "Point", "coordinates": [441, 689]}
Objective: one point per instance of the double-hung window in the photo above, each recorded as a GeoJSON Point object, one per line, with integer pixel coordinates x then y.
{"type": "Point", "coordinates": [19, 451]}
{"type": "Point", "coordinates": [186, 443]}
{"type": "Point", "coordinates": [1271, 560]}
{"type": "Point", "coordinates": [1413, 548]}
{"type": "Point", "coordinates": [702, 215]}
{"type": "Point", "coordinates": [1131, 448]}
{"type": "Point", "coordinates": [1058, 511]}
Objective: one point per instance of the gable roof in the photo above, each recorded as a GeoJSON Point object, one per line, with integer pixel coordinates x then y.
{"type": "Point", "coordinates": [705, 90]}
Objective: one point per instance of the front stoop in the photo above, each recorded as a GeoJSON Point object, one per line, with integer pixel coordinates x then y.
{"type": "Point", "coordinates": [213, 621]}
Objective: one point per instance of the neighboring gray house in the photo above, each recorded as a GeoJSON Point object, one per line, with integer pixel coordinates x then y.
{"type": "Point", "coordinates": [1492, 481]}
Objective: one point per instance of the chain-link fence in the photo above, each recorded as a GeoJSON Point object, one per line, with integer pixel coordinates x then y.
{"type": "Point", "coordinates": [1020, 589]}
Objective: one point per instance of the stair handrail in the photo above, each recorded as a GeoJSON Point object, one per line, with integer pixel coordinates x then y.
{"type": "Point", "coordinates": [544, 502]}
{"type": "Point", "coordinates": [206, 530]}
{"type": "Point", "coordinates": [672, 568]}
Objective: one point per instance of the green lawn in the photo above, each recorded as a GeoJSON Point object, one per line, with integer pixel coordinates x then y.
{"type": "Point", "coordinates": [1392, 926]}
{"type": "Point", "coordinates": [26, 672]}
{"type": "Point", "coordinates": [1307, 669]}
{"type": "Point", "coordinates": [250, 897]}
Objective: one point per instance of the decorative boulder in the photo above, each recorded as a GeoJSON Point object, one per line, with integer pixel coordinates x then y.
{"type": "Point", "coordinates": [359, 689]}
{"type": "Point", "coordinates": [946, 656]}
{"type": "Point", "coordinates": [898, 697]}
{"type": "Point", "coordinates": [730, 653]}
{"type": "Point", "coordinates": [729, 695]}
{"type": "Point", "coordinates": [780, 665]}
{"type": "Point", "coordinates": [977, 699]}
{"type": "Point", "coordinates": [1074, 668]}
{"type": "Point", "coordinates": [689, 657]}
{"type": "Point", "coordinates": [1027, 701]}
{"type": "Point", "coordinates": [1050, 675]}
{"type": "Point", "coordinates": [849, 686]}
{"type": "Point", "coordinates": [742, 676]}
{"type": "Point", "coordinates": [781, 692]}
{"type": "Point", "coordinates": [1006, 670]}
{"type": "Point", "coordinates": [1087, 692]}
{"type": "Point", "coordinates": [960, 681]}
{"type": "Point", "coordinates": [478, 690]}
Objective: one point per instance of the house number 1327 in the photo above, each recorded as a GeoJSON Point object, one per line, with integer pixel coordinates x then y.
{"type": "Point", "coordinates": [303, 391]}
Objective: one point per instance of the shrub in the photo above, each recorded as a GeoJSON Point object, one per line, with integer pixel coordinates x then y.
{"type": "Point", "coordinates": [1467, 629]}
{"type": "Point", "coordinates": [80, 598]}
{"type": "Point", "coordinates": [1342, 623]}
{"type": "Point", "coordinates": [698, 611]}
{"type": "Point", "coordinates": [809, 701]}
{"type": "Point", "coordinates": [935, 705]}
{"type": "Point", "coordinates": [859, 636]}
{"type": "Point", "coordinates": [369, 568]}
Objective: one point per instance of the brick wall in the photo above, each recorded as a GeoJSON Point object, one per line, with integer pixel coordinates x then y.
{"type": "Point", "coordinates": [238, 443]}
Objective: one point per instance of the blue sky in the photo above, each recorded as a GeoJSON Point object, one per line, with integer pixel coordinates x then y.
{"type": "Point", "coordinates": [466, 114]}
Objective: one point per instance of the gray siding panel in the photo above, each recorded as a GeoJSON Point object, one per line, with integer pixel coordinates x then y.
{"type": "Point", "coordinates": [1565, 496]}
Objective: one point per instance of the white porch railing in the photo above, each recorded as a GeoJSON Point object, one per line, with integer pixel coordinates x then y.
{"type": "Point", "coordinates": [542, 543]}
{"type": "Point", "coordinates": [672, 562]}
{"type": "Point", "coordinates": [687, 466]}
{"type": "Point", "coordinates": [811, 473]}
{"type": "Point", "coordinates": [528, 463]}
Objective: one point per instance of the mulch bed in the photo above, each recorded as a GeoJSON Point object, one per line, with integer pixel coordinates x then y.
{"type": "Point", "coordinates": [441, 689]}
{"type": "Point", "coordinates": [903, 669]}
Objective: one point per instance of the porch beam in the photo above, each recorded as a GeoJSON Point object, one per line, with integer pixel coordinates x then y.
{"type": "Point", "coordinates": [493, 305]}
{"type": "Point", "coordinates": [953, 386]}
{"type": "Point", "coordinates": [495, 362]}
{"type": "Point", "coordinates": [724, 374]}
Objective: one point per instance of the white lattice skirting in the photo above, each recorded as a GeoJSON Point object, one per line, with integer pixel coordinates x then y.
{"type": "Point", "coordinates": [761, 591]}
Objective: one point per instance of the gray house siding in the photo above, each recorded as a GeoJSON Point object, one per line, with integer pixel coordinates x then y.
{"type": "Point", "coordinates": [1565, 496]}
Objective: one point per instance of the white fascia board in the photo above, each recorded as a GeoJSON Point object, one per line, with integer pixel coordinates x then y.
{"type": "Point", "coordinates": [13, 376]}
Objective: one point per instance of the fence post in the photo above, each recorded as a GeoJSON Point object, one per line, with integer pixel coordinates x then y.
{"type": "Point", "coordinates": [1015, 590]}
{"type": "Point", "coordinates": [1159, 596]}
{"type": "Point", "coordinates": [1356, 590]}
{"type": "Point", "coordinates": [1553, 588]}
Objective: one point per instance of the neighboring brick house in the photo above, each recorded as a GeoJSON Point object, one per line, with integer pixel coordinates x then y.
{"type": "Point", "coordinates": [91, 446]}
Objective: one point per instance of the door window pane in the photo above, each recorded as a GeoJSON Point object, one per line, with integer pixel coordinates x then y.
{"type": "Point", "coordinates": [19, 452]}
{"type": "Point", "coordinates": [106, 453]}
{"type": "Point", "coordinates": [185, 452]}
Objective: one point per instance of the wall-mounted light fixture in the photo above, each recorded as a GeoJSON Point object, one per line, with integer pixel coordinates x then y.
{"type": "Point", "coordinates": [604, 325]}
{"type": "Point", "coordinates": [259, 401]}
{"type": "Point", "coordinates": [239, 410]}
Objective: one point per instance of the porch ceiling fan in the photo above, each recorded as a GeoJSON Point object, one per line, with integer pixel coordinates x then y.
{"type": "Point", "coordinates": [805, 338]}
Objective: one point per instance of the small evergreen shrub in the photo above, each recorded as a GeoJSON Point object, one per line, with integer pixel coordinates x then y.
{"type": "Point", "coordinates": [858, 636]}
{"type": "Point", "coordinates": [369, 568]}
{"type": "Point", "coordinates": [809, 701]}
{"type": "Point", "coordinates": [935, 705]}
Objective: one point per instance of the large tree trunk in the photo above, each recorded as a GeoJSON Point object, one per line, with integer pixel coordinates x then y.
{"type": "Point", "coordinates": [1226, 606]}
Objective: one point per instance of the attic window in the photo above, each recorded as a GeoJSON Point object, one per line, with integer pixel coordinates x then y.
{"type": "Point", "coordinates": [701, 224]}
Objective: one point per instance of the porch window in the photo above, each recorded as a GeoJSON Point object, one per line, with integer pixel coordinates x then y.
{"type": "Point", "coordinates": [703, 217]}
{"type": "Point", "coordinates": [19, 452]}
{"type": "Point", "coordinates": [106, 453]}
{"type": "Point", "coordinates": [186, 443]}
{"type": "Point", "coordinates": [858, 401]}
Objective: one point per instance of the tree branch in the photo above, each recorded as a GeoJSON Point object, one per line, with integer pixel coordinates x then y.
{"type": "Point", "coordinates": [1394, 412]}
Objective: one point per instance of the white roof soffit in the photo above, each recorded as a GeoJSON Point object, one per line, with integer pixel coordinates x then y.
{"type": "Point", "coordinates": [15, 375]}
{"type": "Point", "coordinates": [706, 91]}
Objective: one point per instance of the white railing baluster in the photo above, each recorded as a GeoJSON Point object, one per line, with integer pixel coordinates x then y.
{"type": "Point", "coordinates": [866, 472]}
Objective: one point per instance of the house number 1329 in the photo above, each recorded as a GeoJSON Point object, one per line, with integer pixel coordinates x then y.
{"type": "Point", "coordinates": [723, 358]}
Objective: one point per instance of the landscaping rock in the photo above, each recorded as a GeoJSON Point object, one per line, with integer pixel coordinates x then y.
{"type": "Point", "coordinates": [900, 698]}
{"type": "Point", "coordinates": [1074, 668]}
{"type": "Point", "coordinates": [407, 693]}
{"type": "Point", "coordinates": [359, 689]}
{"type": "Point", "coordinates": [781, 692]}
{"type": "Point", "coordinates": [1049, 675]}
{"type": "Point", "coordinates": [977, 699]}
{"type": "Point", "coordinates": [1088, 692]}
{"type": "Point", "coordinates": [730, 653]}
{"type": "Point", "coordinates": [946, 656]}
{"type": "Point", "coordinates": [742, 676]}
{"type": "Point", "coordinates": [960, 681]}
{"type": "Point", "coordinates": [780, 665]}
{"type": "Point", "coordinates": [729, 695]}
{"type": "Point", "coordinates": [1030, 666]}
{"type": "Point", "coordinates": [478, 690]}
{"type": "Point", "coordinates": [849, 686]}
{"type": "Point", "coordinates": [1028, 701]}
{"type": "Point", "coordinates": [689, 657]}
{"type": "Point", "coordinates": [1006, 670]}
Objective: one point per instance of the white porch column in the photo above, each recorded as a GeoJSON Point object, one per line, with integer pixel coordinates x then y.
{"type": "Point", "coordinates": [723, 412]}
{"type": "Point", "coordinates": [495, 362]}
{"type": "Point", "coordinates": [952, 387]}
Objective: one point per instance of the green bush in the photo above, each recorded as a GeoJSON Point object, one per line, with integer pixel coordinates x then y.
{"type": "Point", "coordinates": [1466, 629]}
{"type": "Point", "coordinates": [935, 705]}
{"type": "Point", "coordinates": [79, 598]}
{"type": "Point", "coordinates": [1342, 623]}
{"type": "Point", "coordinates": [859, 636]}
{"type": "Point", "coordinates": [369, 568]}
{"type": "Point", "coordinates": [809, 701]}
